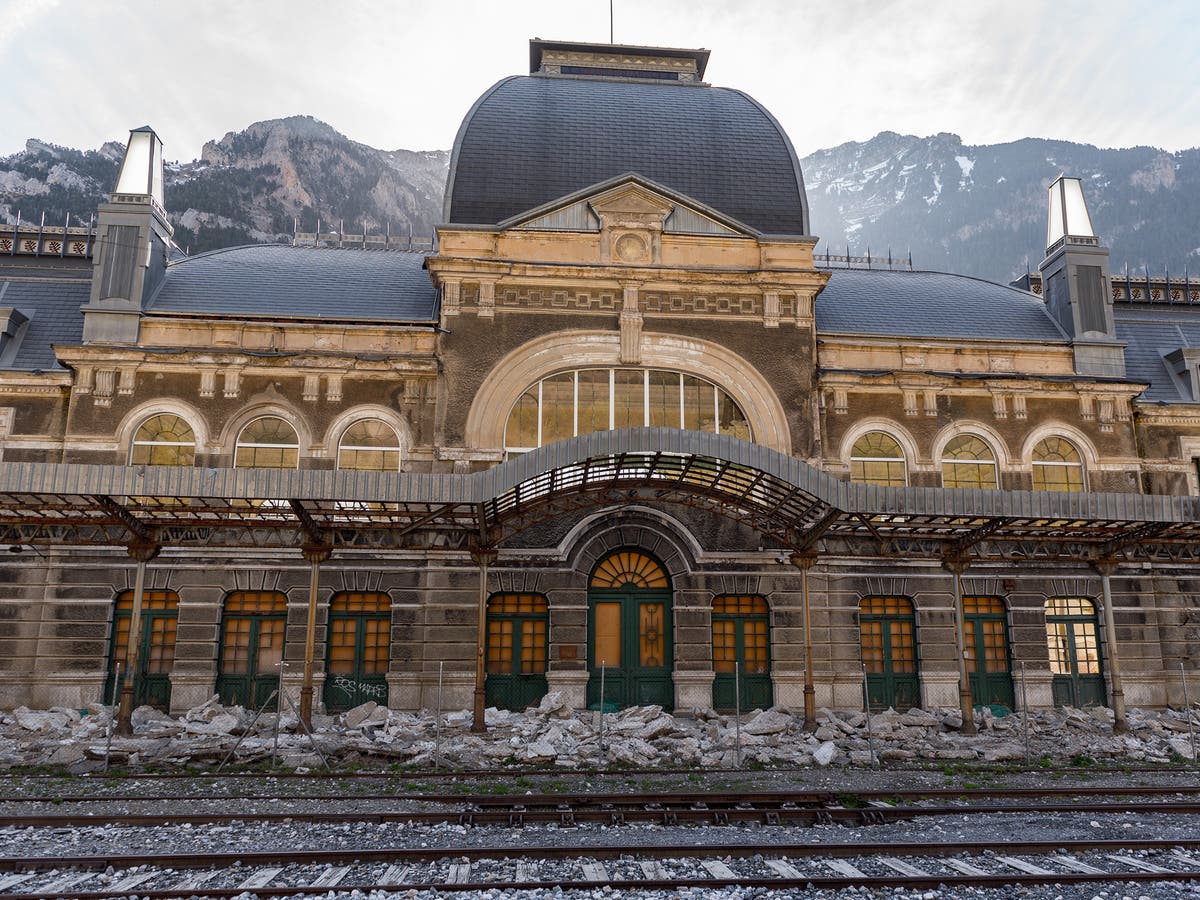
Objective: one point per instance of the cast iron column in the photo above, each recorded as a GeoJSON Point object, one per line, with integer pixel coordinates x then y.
{"type": "Point", "coordinates": [482, 558]}
{"type": "Point", "coordinates": [314, 554]}
{"type": "Point", "coordinates": [803, 560]}
{"type": "Point", "coordinates": [142, 553]}
{"type": "Point", "coordinates": [956, 565]}
{"type": "Point", "coordinates": [1106, 567]}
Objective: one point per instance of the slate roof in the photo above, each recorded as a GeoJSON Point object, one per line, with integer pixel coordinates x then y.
{"type": "Point", "coordinates": [533, 139]}
{"type": "Point", "coordinates": [930, 304]}
{"type": "Point", "coordinates": [280, 281]}
{"type": "Point", "coordinates": [1149, 332]}
{"type": "Point", "coordinates": [52, 308]}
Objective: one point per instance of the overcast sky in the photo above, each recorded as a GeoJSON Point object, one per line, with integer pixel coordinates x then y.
{"type": "Point", "coordinates": [401, 73]}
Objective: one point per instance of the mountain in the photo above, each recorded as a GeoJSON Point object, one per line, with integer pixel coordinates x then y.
{"type": "Point", "coordinates": [978, 210]}
{"type": "Point", "coordinates": [981, 210]}
{"type": "Point", "coordinates": [248, 187]}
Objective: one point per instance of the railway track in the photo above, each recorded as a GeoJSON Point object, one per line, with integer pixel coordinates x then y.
{"type": "Point", "coordinates": [669, 866]}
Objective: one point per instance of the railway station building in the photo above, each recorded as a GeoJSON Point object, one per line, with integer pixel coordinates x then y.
{"type": "Point", "coordinates": [620, 425]}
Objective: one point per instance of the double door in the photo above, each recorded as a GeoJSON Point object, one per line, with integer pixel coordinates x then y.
{"type": "Point", "coordinates": [629, 648]}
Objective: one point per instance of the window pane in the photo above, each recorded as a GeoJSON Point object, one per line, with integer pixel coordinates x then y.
{"type": "Point", "coordinates": [876, 458]}
{"type": "Point", "coordinates": [558, 408]}
{"type": "Point", "coordinates": [608, 634]}
{"type": "Point", "coordinates": [165, 440]}
{"type": "Point", "coordinates": [593, 401]}
{"type": "Point", "coordinates": [724, 646]}
{"type": "Point", "coordinates": [651, 640]}
{"type": "Point", "coordinates": [664, 400]}
{"type": "Point", "coordinates": [521, 431]}
{"type": "Point", "coordinates": [369, 445]}
{"type": "Point", "coordinates": [733, 420]}
{"type": "Point", "coordinates": [629, 398]}
{"type": "Point", "coordinates": [699, 405]}
{"type": "Point", "coordinates": [267, 443]}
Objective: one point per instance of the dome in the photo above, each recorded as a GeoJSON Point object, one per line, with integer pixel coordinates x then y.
{"type": "Point", "coordinates": [533, 139]}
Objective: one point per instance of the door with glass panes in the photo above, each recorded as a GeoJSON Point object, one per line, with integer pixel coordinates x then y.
{"type": "Point", "coordinates": [1072, 638]}
{"type": "Point", "coordinates": [888, 631]}
{"type": "Point", "coordinates": [741, 649]}
{"type": "Point", "coordinates": [989, 671]}
{"type": "Point", "coordinates": [155, 647]}
{"type": "Point", "coordinates": [356, 664]}
{"type": "Point", "coordinates": [629, 633]}
{"type": "Point", "coordinates": [517, 626]}
{"type": "Point", "coordinates": [252, 634]}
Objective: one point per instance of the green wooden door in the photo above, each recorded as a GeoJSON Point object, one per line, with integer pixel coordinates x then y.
{"type": "Point", "coordinates": [357, 650]}
{"type": "Point", "coordinates": [252, 638]}
{"type": "Point", "coordinates": [155, 647]}
{"type": "Point", "coordinates": [989, 669]}
{"type": "Point", "coordinates": [629, 633]}
{"type": "Point", "coordinates": [888, 633]}
{"type": "Point", "coordinates": [517, 649]}
{"type": "Point", "coordinates": [1072, 638]}
{"type": "Point", "coordinates": [741, 638]}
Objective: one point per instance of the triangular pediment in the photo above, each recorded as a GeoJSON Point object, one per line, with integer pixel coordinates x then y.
{"type": "Point", "coordinates": [628, 199]}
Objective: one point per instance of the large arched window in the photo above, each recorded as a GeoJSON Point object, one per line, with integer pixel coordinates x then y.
{"type": "Point", "coordinates": [1057, 466]}
{"type": "Point", "coordinates": [876, 458]}
{"type": "Point", "coordinates": [163, 440]}
{"type": "Point", "coordinates": [369, 445]}
{"type": "Point", "coordinates": [586, 400]}
{"type": "Point", "coordinates": [267, 443]}
{"type": "Point", "coordinates": [967, 462]}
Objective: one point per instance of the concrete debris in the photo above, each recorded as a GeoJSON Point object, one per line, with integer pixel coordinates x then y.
{"type": "Point", "coordinates": [553, 735]}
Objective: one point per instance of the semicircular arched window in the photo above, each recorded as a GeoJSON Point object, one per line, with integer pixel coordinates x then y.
{"type": "Point", "coordinates": [584, 401]}
{"type": "Point", "coordinates": [163, 440]}
{"type": "Point", "coordinates": [629, 568]}
{"type": "Point", "coordinates": [876, 458]}
{"type": "Point", "coordinates": [268, 442]}
{"type": "Point", "coordinates": [1057, 466]}
{"type": "Point", "coordinates": [967, 462]}
{"type": "Point", "coordinates": [370, 445]}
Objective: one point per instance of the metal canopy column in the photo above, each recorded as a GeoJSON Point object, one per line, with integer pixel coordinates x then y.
{"type": "Point", "coordinates": [142, 553]}
{"type": "Point", "coordinates": [804, 560]}
{"type": "Point", "coordinates": [956, 565]}
{"type": "Point", "coordinates": [1106, 567]}
{"type": "Point", "coordinates": [314, 554]}
{"type": "Point", "coordinates": [482, 557]}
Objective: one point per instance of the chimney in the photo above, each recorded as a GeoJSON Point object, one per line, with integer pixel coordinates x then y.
{"type": "Point", "coordinates": [132, 236]}
{"type": "Point", "coordinates": [1075, 282]}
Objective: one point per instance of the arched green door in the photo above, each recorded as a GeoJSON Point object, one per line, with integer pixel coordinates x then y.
{"type": "Point", "coordinates": [741, 640]}
{"type": "Point", "coordinates": [252, 633]}
{"type": "Point", "coordinates": [155, 646]}
{"type": "Point", "coordinates": [888, 630]}
{"type": "Point", "coordinates": [517, 626]}
{"type": "Point", "coordinates": [360, 627]}
{"type": "Point", "coordinates": [629, 632]}
{"type": "Point", "coordinates": [1074, 645]}
{"type": "Point", "coordinates": [989, 670]}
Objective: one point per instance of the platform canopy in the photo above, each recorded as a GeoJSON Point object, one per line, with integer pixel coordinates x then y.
{"type": "Point", "coordinates": [790, 503]}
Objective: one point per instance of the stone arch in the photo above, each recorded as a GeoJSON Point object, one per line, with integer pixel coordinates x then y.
{"type": "Point", "coordinates": [660, 536]}
{"type": "Point", "coordinates": [133, 419]}
{"type": "Point", "coordinates": [1091, 460]}
{"type": "Point", "coordinates": [398, 421]}
{"type": "Point", "coordinates": [233, 427]}
{"type": "Point", "coordinates": [543, 356]}
{"type": "Point", "coordinates": [889, 427]}
{"type": "Point", "coordinates": [988, 435]}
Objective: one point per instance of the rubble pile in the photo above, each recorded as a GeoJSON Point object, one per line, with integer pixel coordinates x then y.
{"type": "Point", "coordinates": [552, 735]}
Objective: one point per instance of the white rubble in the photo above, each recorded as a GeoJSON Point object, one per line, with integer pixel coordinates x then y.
{"type": "Point", "coordinates": [551, 734]}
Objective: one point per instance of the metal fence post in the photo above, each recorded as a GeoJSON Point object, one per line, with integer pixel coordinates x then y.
{"type": "Point", "coordinates": [601, 746]}
{"type": "Point", "coordinates": [867, 712]}
{"type": "Point", "coordinates": [1187, 708]}
{"type": "Point", "coordinates": [112, 718]}
{"type": "Point", "coordinates": [1024, 711]}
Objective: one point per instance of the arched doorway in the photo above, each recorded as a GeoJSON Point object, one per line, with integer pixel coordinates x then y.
{"type": "Point", "coordinates": [1072, 639]}
{"type": "Point", "coordinates": [517, 649]}
{"type": "Point", "coordinates": [741, 652]}
{"type": "Point", "coordinates": [888, 631]}
{"type": "Point", "coordinates": [629, 632]}
{"type": "Point", "coordinates": [989, 671]}
{"type": "Point", "coordinates": [155, 646]}
{"type": "Point", "coordinates": [252, 634]}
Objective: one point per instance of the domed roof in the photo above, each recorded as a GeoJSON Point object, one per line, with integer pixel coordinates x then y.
{"type": "Point", "coordinates": [530, 140]}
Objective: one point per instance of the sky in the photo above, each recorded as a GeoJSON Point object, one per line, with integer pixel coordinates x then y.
{"type": "Point", "coordinates": [402, 73]}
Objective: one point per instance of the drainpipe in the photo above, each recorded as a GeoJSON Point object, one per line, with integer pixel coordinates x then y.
{"type": "Point", "coordinates": [142, 553]}
{"type": "Point", "coordinates": [314, 554]}
{"type": "Point", "coordinates": [482, 557]}
{"type": "Point", "coordinates": [804, 560]}
{"type": "Point", "coordinates": [956, 565]}
{"type": "Point", "coordinates": [1106, 567]}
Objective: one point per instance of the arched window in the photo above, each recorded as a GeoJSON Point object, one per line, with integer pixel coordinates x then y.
{"type": "Point", "coordinates": [876, 458]}
{"type": "Point", "coordinates": [267, 443]}
{"type": "Point", "coordinates": [583, 401]}
{"type": "Point", "coordinates": [1057, 466]}
{"type": "Point", "coordinates": [629, 568]}
{"type": "Point", "coordinates": [369, 445]}
{"type": "Point", "coordinates": [163, 440]}
{"type": "Point", "coordinates": [967, 462]}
